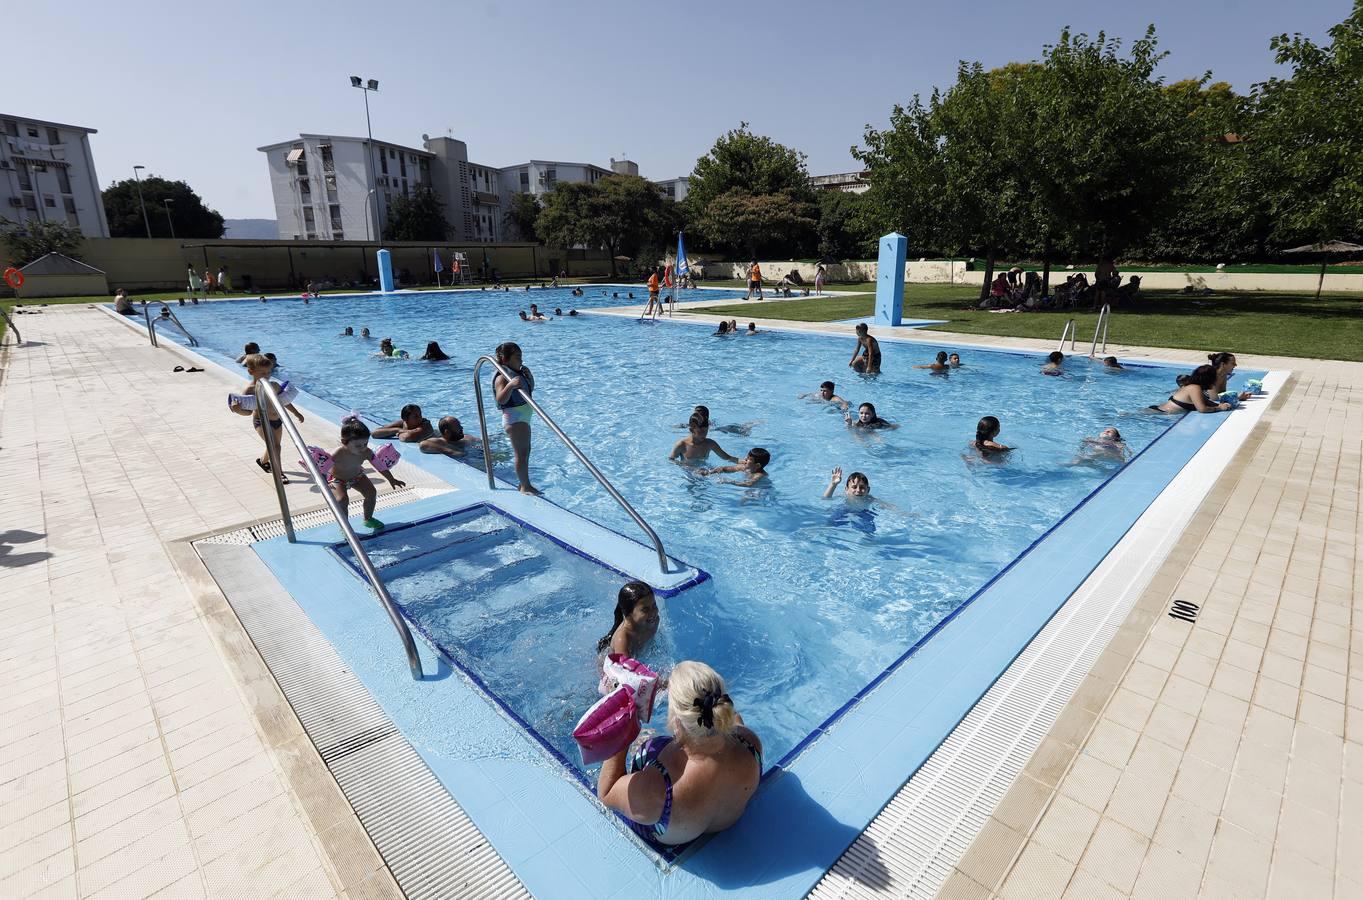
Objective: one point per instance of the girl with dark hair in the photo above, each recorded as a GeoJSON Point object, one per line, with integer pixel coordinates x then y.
{"type": "Point", "coordinates": [636, 620]}
{"type": "Point", "coordinates": [985, 432]}
{"type": "Point", "coordinates": [513, 400]}
{"type": "Point", "coordinates": [1192, 394]}
{"type": "Point", "coordinates": [434, 353]}
{"type": "Point", "coordinates": [1224, 364]}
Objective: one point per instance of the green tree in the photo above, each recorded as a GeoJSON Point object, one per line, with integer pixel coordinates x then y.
{"type": "Point", "coordinates": [522, 215]}
{"type": "Point", "coordinates": [27, 241]}
{"type": "Point", "coordinates": [1305, 144]}
{"type": "Point", "coordinates": [418, 216]}
{"type": "Point", "coordinates": [842, 228]}
{"type": "Point", "coordinates": [192, 218]}
{"type": "Point", "coordinates": [740, 168]}
{"type": "Point", "coordinates": [620, 213]}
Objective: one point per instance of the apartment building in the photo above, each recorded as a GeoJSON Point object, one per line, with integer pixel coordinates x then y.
{"type": "Point", "coordinates": [47, 173]}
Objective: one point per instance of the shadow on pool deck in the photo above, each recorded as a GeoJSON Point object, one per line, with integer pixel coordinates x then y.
{"type": "Point", "coordinates": [11, 560]}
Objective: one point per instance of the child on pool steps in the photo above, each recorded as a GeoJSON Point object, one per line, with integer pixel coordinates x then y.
{"type": "Point", "coordinates": [347, 470]}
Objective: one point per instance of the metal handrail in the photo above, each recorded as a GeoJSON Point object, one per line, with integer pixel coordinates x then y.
{"type": "Point", "coordinates": [265, 397]}
{"type": "Point", "coordinates": [1104, 315]}
{"type": "Point", "coordinates": [10, 322]}
{"type": "Point", "coordinates": [1069, 332]}
{"type": "Point", "coordinates": [567, 442]}
{"type": "Point", "coordinates": [151, 325]}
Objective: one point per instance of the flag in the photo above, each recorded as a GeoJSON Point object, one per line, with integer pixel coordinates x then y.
{"type": "Point", "coordinates": [435, 256]}
{"type": "Point", "coordinates": [683, 265]}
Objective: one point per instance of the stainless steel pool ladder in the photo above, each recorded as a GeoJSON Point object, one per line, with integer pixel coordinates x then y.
{"type": "Point", "coordinates": [1104, 315]}
{"type": "Point", "coordinates": [567, 442]}
{"type": "Point", "coordinates": [10, 322]}
{"type": "Point", "coordinates": [151, 324]}
{"type": "Point", "coordinates": [1067, 334]}
{"type": "Point", "coordinates": [267, 404]}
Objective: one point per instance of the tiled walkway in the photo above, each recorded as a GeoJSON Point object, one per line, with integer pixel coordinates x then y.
{"type": "Point", "coordinates": [142, 755]}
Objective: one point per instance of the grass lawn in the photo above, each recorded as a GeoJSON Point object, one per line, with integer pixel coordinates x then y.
{"type": "Point", "coordinates": [1275, 324]}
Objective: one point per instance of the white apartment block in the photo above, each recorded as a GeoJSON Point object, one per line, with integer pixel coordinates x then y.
{"type": "Point", "coordinates": [322, 188]}
{"type": "Point", "coordinates": [675, 189]}
{"type": "Point", "coordinates": [47, 174]}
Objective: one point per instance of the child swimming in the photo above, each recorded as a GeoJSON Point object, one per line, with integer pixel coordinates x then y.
{"type": "Point", "coordinates": [985, 431]}
{"type": "Point", "coordinates": [754, 465]}
{"type": "Point", "coordinates": [1107, 445]}
{"type": "Point", "coordinates": [937, 365]}
{"type": "Point", "coordinates": [867, 418]}
{"type": "Point", "coordinates": [410, 427]}
{"type": "Point", "coordinates": [697, 446]}
{"type": "Point", "coordinates": [347, 470]}
{"type": "Point", "coordinates": [1053, 363]}
{"type": "Point", "coordinates": [636, 621]}
{"type": "Point", "coordinates": [827, 393]}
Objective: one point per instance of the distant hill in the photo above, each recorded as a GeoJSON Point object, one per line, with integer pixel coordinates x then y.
{"type": "Point", "coordinates": [250, 229]}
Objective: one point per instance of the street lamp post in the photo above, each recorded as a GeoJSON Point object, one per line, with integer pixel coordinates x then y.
{"type": "Point", "coordinates": [169, 221]}
{"type": "Point", "coordinates": [140, 201]}
{"type": "Point", "coordinates": [371, 213]}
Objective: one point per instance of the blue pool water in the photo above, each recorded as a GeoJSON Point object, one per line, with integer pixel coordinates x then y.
{"type": "Point", "coordinates": [810, 598]}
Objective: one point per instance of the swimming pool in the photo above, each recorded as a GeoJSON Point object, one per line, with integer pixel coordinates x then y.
{"type": "Point", "coordinates": [810, 600]}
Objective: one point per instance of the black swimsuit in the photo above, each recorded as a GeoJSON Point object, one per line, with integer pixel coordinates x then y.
{"type": "Point", "coordinates": [1186, 407]}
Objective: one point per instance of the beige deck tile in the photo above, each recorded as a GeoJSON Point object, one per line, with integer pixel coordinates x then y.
{"type": "Point", "coordinates": [1166, 874]}
{"type": "Point", "coordinates": [1115, 854]}
{"type": "Point", "coordinates": [1038, 875]}
{"type": "Point", "coordinates": [1240, 861]}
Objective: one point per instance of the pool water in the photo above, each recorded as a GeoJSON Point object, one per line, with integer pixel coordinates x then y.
{"type": "Point", "coordinates": [810, 598]}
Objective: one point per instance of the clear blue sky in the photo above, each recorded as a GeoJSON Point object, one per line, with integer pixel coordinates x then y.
{"type": "Point", "coordinates": [190, 90]}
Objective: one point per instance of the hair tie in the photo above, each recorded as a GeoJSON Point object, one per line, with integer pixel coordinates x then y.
{"type": "Point", "coordinates": [707, 703]}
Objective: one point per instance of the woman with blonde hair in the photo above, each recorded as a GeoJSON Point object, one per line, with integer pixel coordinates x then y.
{"type": "Point", "coordinates": [696, 780]}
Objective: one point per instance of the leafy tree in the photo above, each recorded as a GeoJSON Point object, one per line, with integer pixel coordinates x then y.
{"type": "Point", "coordinates": [1304, 143]}
{"type": "Point", "coordinates": [621, 213]}
{"type": "Point", "coordinates": [27, 241]}
{"type": "Point", "coordinates": [192, 218]}
{"type": "Point", "coordinates": [418, 216]}
{"type": "Point", "coordinates": [904, 165]}
{"type": "Point", "coordinates": [757, 222]}
{"type": "Point", "coordinates": [522, 216]}
{"type": "Point", "coordinates": [842, 228]}
{"type": "Point", "coordinates": [740, 168]}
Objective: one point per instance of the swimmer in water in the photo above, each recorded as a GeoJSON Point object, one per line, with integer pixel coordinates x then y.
{"type": "Point", "coordinates": [410, 427]}
{"type": "Point", "coordinates": [1110, 362]}
{"type": "Point", "coordinates": [754, 465]}
{"type": "Point", "coordinates": [954, 360]}
{"type": "Point", "coordinates": [938, 365]}
{"type": "Point", "coordinates": [867, 418]}
{"type": "Point", "coordinates": [451, 440]}
{"type": "Point", "coordinates": [1053, 363]}
{"type": "Point", "coordinates": [636, 621]}
{"type": "Point", "coordinates": [1107, 445]}
{"type": "Point", "coordinates": [985, 431]}
{"type": "Point", "coordinates": [698, 445]}
{"type": "Point", "coordinates": [827, 394]}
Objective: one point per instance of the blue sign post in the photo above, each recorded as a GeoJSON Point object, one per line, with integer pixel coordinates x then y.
{"type": "Point", "coordinates": [894, 247]}
{"type": "Point", "coordinates": [386, 271]}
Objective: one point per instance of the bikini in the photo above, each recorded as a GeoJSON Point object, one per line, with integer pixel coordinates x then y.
{"type": "Point", "coordinates": [513, 411]}
{"type": "Point", "coordinates": [1186, 407]}
{"type": "Point", "coordinates": [648, 754]}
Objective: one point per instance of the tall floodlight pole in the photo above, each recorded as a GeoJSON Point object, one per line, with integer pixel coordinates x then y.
{"type": "Point", "coordinates": [166, 202]}
{"type": "Point", "coordinates": [372, 212]}
{"type": "Point", "coordinates": [140, 202]}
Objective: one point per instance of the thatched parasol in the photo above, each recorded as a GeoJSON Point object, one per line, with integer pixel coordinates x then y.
{"type": "Point", "coordinates": [1326, 249]}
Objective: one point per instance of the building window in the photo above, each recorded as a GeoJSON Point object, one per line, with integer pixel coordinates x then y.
{"type": "Point", "coordinates": [335, 217]}
{"type": "Point", "coordinates": [305, 189]}
{"type": "Point", "coordinates": [309, 221]}
{"type": "Point", "coordinates": [328, 164]}
{"type": "Point", "coordinates": [49, 202]}
{"type": "Point", "coordinates": [40, 167]}
{"type": "Point", "coordinates": [32, 132]}
{"type": "Point", "coordinates": [551, 177]}
{"type": "Point", "coordinates": [302, 166]}
{"type": "Point", "coordinates": [25, 181]}
{"type": "Point", "coordinates": [383, 162]}
{"type": "Point", "coordinates": [392, 154]}
{"type": "Point", "coordinates": [11, 128]}
{"type": "Point", "coordinates": [525, 180]}
{"type": "Point", "coordinates": [30, 203]}
{"type": "Point", "coordinates": [402, 166]}
{"type": "Point", "coordinates": [63, 180]}
{"type": "Point", "coordinates": [53, 137]}
{"type": "Point", "coordinates": [70, 205]}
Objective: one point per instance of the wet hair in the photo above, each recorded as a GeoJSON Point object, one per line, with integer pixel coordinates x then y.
{"type": "Point", "coordinates": [433, 351]}
{"type": "Point", "coordinates": [861, 328]}
{"type": "Point", "coordinates": [826, 384]}
{"type": "Point", "coordinates": [987, 429]}
{"type": "Point", "coordinates": [752, 326]}
{"type": "Point", "coordinates": [353, 429]}
{"type": "Point", "coordinates": [250, 348]}
{"type": "Point", "coordinates": [697, 421]}
{"type": "Point", "coordinates": [506, 350]}
{"type": "Point", "coordinates": [703, 412]}
{"type": "Point", "coordinates": [696, 699]}
{"type": "Point", "coordinates": [941, 356]}
{"type": "Point", "coordinates": [558, 311]}
{"type": "Point", "coordinates": [723, 327]}
{"type": "Point", "coordinates": [859, 476]}
{"type": "Point", "coordinates": [625, 601]}
{"type": "Point", "coordinates": [450, 428]}
{"type": "Point", "coordinates": [572, 312]}
{"type": "Point", "coordinates": [256, 361]}
{"type": "Point", "coordinates": [760, 455]}
{"type": "Point", "coordinates": [1055, 357]}
{"type": "Point", "coordinates": [1220, 359]}
{"type": "Point", "coordinates": [523, 315]}
{"type": "Point", "coordinates": [871, 407]}
{"type": "Point", "coordinates": [1110, 361]}
{"type": "Point", "coordinates": [274, 360]}
{"type": "Point", "coordinates": [1202, 376]}
{"type": "Point", "coordinates": [350, 329]}
{"type": "Point", "coordinates": [411, 409]}
{"type": "Point", "coordinates": [1116, 435]}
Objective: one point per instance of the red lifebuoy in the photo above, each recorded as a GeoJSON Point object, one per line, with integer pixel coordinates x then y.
{"type": "Point", "coordinates": [14, 278]}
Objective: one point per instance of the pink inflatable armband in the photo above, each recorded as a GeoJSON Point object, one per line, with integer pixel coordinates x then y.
{"type": "Point", "coordinates": [619, 670]}
{"type": "Point", "coordinates": [322, 458]}
{"type": "Point", "coordinates": [386, 457]}
{"type": "Point", "coordinates": [608, 727]}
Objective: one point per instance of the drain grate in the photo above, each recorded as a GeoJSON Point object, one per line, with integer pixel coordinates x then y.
{"type": "Point", "coordinates": [264, 531]}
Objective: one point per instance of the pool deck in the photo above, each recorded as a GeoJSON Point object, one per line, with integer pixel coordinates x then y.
{"type": "Point", "coordinates": [146, 751]}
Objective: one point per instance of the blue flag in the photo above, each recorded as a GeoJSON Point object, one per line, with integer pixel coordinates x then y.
{"type": "Point", "coordinates": [435, 255]}
{"type": "Point", "coordinates": [683, 265]}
